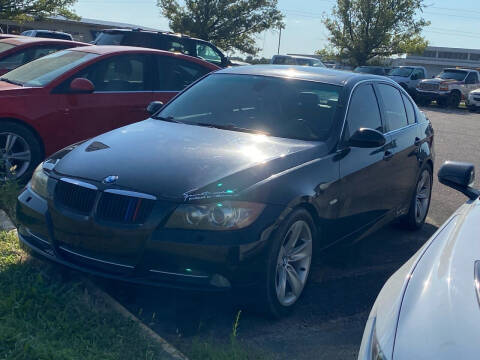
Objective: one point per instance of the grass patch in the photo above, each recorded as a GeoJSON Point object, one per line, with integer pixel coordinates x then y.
{"type": "Point", "coordinates": [9, 190]}
{"type": "Point", "coordinates": [233, 350]}
{"type": "Point", "coordinates": [43, 317]}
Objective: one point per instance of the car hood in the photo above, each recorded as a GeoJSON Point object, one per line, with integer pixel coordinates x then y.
{"type": "Point", "coordinates": [398, 78]}
{"type": "Point", "coordinates": [441, 81]}
{"type": "Point", "coordinates": [8, 90]}
{"type": "Point", "coordinates": [440, 314]}
{"type": "Point", "coordinates": [181, 162]}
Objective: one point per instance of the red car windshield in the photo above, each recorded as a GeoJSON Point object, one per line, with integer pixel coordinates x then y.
{"type": "Point", "coordinates": [42, 71]}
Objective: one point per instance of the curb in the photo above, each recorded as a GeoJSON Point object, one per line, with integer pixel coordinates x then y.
{"type": "Point", "coordinates": [7, 225]}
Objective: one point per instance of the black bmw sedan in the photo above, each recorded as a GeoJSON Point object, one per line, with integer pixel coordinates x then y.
{"type": "Point", "coordinates": [235, 182]}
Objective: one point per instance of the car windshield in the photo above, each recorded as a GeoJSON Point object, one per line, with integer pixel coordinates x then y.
{"type": "Point", "coordinates": [458, 75]}
{"type": "Point", "coordinates": [42, 71]}
{"type": "Point", "coordinates": [5, 47]}
{"type": "Point", "coordinates": [401, 71]}
{"type": "Point", "coordinates": [369, 70]}
{"type": "Point", "coordinates": [106, 38]}
{"type": "Point", "coordinates": [275, 106]}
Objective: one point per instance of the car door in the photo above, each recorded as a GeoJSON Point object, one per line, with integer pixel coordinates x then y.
{"type": "Point", "coordinates": [174, 74]}
{"type": "Point", "coordinates": [363, 171]}
{"type": "Point", "coordinates": [122, 93]}
{"type": "Point", "coordinates": [401, 124]}
{"type": "Point", "coordinates": [471, 83]}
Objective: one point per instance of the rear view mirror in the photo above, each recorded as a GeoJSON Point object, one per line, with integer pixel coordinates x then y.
{"type": "Point", "coordinates": [367, 138]}
{"type": "Point", "coordinates": [82, 85]}
{"type": "Point", "coordinates": [154, 107]}
{"type": "Point", "coordinates": [459, 176]}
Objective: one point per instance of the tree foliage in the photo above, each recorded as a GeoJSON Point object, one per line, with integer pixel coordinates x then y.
{"type": "Point", "coordinates": [34, 9]}
{"type": "Point", "coordinates": [363, 29]}
{"type": "Point", "coordinates": [229, 24]}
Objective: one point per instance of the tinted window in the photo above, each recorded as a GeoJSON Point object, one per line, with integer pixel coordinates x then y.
{"type": "Point", "coordinates": [452, 74]}
{"type": "Point", "coordinates": [109, 39]}
{"type": "Point", "coordinates": [410, 110]}
{"type": "Point", "coordinates": [177, 44]}
{"type": "Point", "coordinates": [119, 73]}
{"type": "Point", "coordinates": [396, 117]}
{"type": "Point", "coordinates": [141, 39]}
{"type": "Point", "coordinates": [13, 61]}
{"type": "Point", "coordinates": [176, 74]}
{"type": "Point", "coordinates": [401, 71]}
{"type": "Point", "coordinates": [40, 72]}
{"type": "Point", "coordinates": [418, 74]}
{"type": "Point", "coordinates": [208, 53]}
{"type": "Point", "coordinates": [283, 60]}
{"type": "Point", "coordinates": [280, 107]}
{"type": "Point", "coordinates": [50, 35]}
{"type": "Point", "coordinates": [471, 78]}
{"type": "Point", "coordinates": [363, 111]}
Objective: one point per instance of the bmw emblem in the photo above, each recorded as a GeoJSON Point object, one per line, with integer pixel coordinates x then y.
{"type": "Point", "coordinates": [110, 179]}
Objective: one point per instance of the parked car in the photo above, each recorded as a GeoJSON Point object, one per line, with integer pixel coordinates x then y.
{"type": "Point", "coordinates": [18, 51]}
{"type": "Point", "coordinates": [163, 40]}
{"type": "Point", "coordinates": [473, 100]}
{"type": "Point", "coordinates": [8, 36]}
{"type": "Point", "coordinates": [408, 77]}
{"type": "Point", "coordinates": [374, 70]}
{"type": "Point", "coordinates": [48, 34]}
{"type": "Point", "coordinates": [218, 191]}
{"type": "Point", "coordinates": [296, 60]}
{"type": "Point", "coordinates": [449, 87]}
{"type": "Point", "coordinates": [79, 93]}
{"type": "Point", "coordinates": [429, 308]}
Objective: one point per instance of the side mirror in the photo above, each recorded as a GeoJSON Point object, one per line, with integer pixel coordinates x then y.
{"type": "Point", "coordinates": [367, 138]}
{"type": "Point", "coordinates": [459, 176]}
{"type": "Point", "coordinates": [82, 85]}
{"type": "Point", "coordinates": [154, 107]}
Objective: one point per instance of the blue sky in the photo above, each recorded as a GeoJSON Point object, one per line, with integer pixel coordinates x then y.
{"type": "Point", "coordinates": [453, 24]}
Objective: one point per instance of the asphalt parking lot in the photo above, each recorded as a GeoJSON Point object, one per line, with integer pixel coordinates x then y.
{"type": "Point", "coordinates": [328, 322]}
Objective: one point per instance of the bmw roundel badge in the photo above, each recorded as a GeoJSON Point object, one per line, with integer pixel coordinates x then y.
{"type": "Point", "coordinates": [110, 179]}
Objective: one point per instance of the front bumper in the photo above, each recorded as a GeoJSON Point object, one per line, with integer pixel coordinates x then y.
{"type": "Point", "coordinates": [197, 260]}
{"type": "Point", "coordinates": [433, 95]}
{"type": "Point", "coordinates": [473, 101]}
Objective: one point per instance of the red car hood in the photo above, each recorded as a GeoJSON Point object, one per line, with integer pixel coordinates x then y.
{"type": "Point", "coordinates": [7, 89]}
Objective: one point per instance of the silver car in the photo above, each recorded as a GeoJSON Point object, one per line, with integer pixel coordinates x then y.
{"type": "Point", "coordinates": [429, 309]}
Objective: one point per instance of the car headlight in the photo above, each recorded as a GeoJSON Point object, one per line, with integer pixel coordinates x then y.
{"type": "Point", "coordinates": [39, 180]}
{"type": "Point", "coordinates": [226, 215]}
{"type": "Point", "coordinates": [376, 350]}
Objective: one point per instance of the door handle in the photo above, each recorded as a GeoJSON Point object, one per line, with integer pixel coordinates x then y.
{"type": "Point", "coordinates": [418, 141]}
{"type": "Point", "coordinates": [387, 155]}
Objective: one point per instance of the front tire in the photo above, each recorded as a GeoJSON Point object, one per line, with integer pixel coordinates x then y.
{"type": "Point", "coordinates": [454, 100]}
{"type": "Point", "coordinates": [288, 263]}
{"type": "Point", "coordinates": [420, 202]}
{"type": "Point", "coordinates": [20, 152]}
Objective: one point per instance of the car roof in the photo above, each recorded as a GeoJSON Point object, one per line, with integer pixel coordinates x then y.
{"type": "Point", "coordinates": [296, 57]}
{"type": "Point", "coordinates": [166, 33]}
{"type": "Point", "coordinates": [113, 49]}
{"type": "Point", "coordinates": [27, 40]}
{"type": "Point", "coordinates": [325, 75]}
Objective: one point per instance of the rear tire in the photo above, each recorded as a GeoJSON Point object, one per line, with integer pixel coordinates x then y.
{"type": "Point", "coordinates": [420, 203]}
{"type": "Point", "coordinates": [454, 100]}
{"type": "Point", "coordinates": [288, 264]}
{"type": "Point", "coordinates": [20, 152]}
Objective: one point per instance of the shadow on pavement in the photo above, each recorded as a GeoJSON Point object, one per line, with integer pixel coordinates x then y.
{"type": "Point", "coordinates": [327, 323]}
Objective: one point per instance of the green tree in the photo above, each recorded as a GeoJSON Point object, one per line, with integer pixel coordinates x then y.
{"type": "Point", "coordinates": [27, 10]}
{"type": "Point", "coordinates": [229, 24]}
{"type": "Point", "coordinates": [363, 29]}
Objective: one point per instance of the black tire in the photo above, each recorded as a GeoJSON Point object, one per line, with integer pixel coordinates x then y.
{"type": "Point", "coordinates": [26, 139]}
{"type": "Point", "coordinates": [454, 99]}
{"type": "Point", "coordinates": [411, 221]}
{"type": "Point", "coordinates": [442, 102]}
{"type": "Point", "coordinates": [269, 300]}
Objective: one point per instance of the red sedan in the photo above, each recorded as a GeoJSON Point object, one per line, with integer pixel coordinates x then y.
{"type": "Point", "coordinates": [16, 51]}
{"type": "Point", "coordinates": [79, 93]}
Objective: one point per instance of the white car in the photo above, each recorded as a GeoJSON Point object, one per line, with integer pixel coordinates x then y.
{"type": "Point", "coordinates": [430, 309]}
{"type": "Point", "coordinates": [473, 100]}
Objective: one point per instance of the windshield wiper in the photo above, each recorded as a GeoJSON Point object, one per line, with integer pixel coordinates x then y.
{"type": "Point", "coordinates": [12, 81]}
{"type": "Point", "coordinates": [168, 118]}
{"type": "Point", "coordinates": [231, 127]}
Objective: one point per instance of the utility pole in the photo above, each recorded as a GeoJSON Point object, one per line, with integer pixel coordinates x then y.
{"type": "Point", "coordinates": [279, 40]}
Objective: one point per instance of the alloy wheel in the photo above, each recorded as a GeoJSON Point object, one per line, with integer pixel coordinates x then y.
{"type": "Point", "coordinates": [15, 155]}
{"type": "Point", "coordinates": [293, 263]}
{"type": "Point", "coordinates": [422, 197]}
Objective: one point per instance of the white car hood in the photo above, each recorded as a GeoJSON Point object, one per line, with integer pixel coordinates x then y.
{"type": "Point", "coordinates": [440, 314]}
